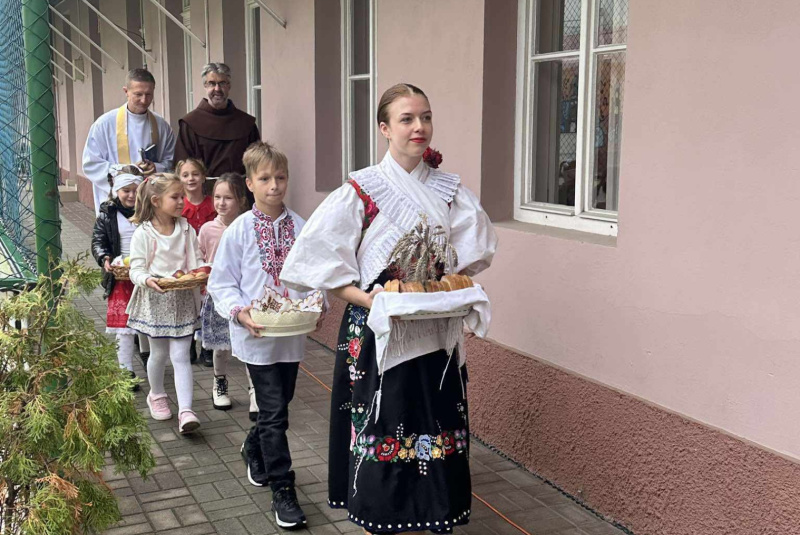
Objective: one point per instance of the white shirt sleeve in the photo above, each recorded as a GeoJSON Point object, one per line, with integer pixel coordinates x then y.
{"type": "Point", "coordinates": [139, 245]}
{"type": "Point", "coordinates": [471, 233]}
{"type": "Point", "coordinates": [167, 148]}
{"type": "Point", "coordinates": [96, 159]}
{"type": "Point", "coordinates": [225, 282]}
{"type": "Point", "coordinates": [324, 255]}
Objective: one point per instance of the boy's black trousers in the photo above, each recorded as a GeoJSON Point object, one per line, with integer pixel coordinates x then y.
{"type": "Point", "coordinates": [274, 387]}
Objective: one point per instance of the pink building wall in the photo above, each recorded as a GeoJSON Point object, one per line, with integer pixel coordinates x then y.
{"type": "Point", "coordinates": [287, 97]}
{"type": "Point", "coordinates": [692, 309]}
{"type": "Point", "coordinates": [446, 61]}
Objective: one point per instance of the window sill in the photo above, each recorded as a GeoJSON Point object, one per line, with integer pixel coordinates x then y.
{"type": "Point", "coordinates": [556, 232]}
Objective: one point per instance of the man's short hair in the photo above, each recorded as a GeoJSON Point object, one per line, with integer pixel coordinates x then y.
{"type": "Point", "coordinates": [217, 68]}
{"type": "Point", "coordinates": [140, 75]}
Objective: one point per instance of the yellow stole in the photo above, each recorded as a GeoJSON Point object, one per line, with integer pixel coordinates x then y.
{"type": "Point", "coordinates": [123, 151]}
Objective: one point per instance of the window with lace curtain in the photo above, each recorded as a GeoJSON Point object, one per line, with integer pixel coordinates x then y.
{"type": "Point", "coordinates": [571, 75]}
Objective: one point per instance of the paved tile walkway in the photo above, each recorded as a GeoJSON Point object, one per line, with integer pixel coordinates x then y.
{"type": "Point", "coordinates": [199, 484]}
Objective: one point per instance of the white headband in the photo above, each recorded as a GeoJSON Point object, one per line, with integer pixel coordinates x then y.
{"type": "Point", "coordinates": [125, 179]}
{"type": "Point", "coordinates": [119, 168]}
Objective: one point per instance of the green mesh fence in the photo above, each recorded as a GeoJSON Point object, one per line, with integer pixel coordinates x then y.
{"type": "Point", "coordinates": [29, 222]}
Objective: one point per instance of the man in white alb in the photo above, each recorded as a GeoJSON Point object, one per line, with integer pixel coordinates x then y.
{"type": "Point", "coordinates": [130, 134]}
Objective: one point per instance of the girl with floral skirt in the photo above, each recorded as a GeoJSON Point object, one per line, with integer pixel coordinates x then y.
{"type": "Point", "coordinates": [163, 244]}
{"type": "Point", "coordinates": [229, 201]}
{"type": "Point", "coordinates": [404, 468]}
{"type": "Point", "coordinates": [112, 238]}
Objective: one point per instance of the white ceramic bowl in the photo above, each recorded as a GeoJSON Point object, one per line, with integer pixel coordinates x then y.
{"type": "Point", "coordinates": [285, 323]}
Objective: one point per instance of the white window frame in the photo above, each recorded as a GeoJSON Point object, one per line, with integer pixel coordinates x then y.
{"type": "Point", "coordinates": [186, 15]}
{"type": "Point", "coordinates": [581, 217]}
{"type": "Point", "coordinates": [347, 84]}
{"type": "Point", "coordinates": [253, 85]}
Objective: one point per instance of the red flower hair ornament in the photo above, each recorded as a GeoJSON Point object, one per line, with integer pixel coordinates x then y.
{"type": "Point", "coordinates": [432, 157]}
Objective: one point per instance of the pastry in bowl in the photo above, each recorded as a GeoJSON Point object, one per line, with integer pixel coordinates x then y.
{"type": "Point", "coordinates": [281, 316]}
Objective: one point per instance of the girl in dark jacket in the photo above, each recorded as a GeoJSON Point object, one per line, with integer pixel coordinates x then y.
{"type": "Point", "coordinates": [112, 238]}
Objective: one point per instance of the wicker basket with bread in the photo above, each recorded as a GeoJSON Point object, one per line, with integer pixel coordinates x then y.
{"type": "Point", "coordinates": [121, 267]}
{"type": "Point", "coordinates": [185, 281]}
{"type": "Point", "coordinates": [420, 255]}
{"type": "Point", "coordinates": [448, 283]}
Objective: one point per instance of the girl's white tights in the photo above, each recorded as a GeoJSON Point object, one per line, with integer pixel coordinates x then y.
{"type": "Point", "coordinates": [177, 351]}
{"type": "Point", "coordinates": [125, 350]}
{"type": "Point", "coordinates": [221, 358]}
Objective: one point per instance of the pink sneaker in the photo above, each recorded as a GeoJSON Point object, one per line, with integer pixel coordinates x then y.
{"type": "Point", "coordinates": [159, 406]}
{"type": "Point", "coordinates": [187, 422]}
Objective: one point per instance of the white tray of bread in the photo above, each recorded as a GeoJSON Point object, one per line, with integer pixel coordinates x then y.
{"type": "Point", "coordinates": [448, 283]}
{"type": "Point", "coordinates": [281, 316]}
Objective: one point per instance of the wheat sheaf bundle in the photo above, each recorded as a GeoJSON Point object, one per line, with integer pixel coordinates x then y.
{"type": "Point", "coordinates": [419, 250]}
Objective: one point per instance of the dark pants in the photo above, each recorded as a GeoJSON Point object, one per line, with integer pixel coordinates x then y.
{"type": "Point", "coordinates": [274, 387]}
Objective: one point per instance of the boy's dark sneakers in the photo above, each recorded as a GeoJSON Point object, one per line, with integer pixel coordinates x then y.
{"type": "Point", "coordinates": [256, 473]}
{"type": "Point", "coordinates": [288, 514]}
{"type": "Point", "coordinates": [207, 358]}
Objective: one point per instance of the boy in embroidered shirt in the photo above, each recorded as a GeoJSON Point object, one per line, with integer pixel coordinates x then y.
{"type": "Point", "coordinates": [249, 256]}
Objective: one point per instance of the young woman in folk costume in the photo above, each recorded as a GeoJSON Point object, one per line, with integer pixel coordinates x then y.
{"type": "Point", "coordinates": [407, 470]}
{"type": "Point", "coordinates": [229, 201]}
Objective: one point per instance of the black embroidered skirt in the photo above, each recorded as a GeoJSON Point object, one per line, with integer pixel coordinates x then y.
{"type": "Point", "coordinates": [410, 470]}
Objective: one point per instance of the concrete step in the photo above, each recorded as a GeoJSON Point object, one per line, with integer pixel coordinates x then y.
{"type": "Point", "coordinates": [68, 193]}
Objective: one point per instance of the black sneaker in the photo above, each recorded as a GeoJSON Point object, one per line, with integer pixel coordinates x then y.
{"type": "Point", "coordinates": [207, 358]}
{"type": "Point", "coordinates": [135, 387]}
{"type": "Point", "coordinates": [288, 514]}
{"type": "Point", "coordinates": [256, 473]}
{"type": "Point", "coordinates": [193, 352]}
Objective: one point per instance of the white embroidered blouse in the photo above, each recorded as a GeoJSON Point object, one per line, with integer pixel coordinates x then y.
{"type": "Point", "coordinates": [242, 267]}
{"type": "Point", "coordinates": [331, 253]}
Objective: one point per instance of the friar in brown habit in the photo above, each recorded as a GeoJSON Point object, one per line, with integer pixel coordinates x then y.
{"type": "Point", "coordinates": [216, 132]}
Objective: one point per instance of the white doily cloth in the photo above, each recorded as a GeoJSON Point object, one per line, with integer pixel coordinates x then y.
{"type": "Point", "coordinates": [389, 333]}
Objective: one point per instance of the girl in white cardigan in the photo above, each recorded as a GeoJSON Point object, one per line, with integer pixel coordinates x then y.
{"type": "Point", "coordinates": [163, 244]}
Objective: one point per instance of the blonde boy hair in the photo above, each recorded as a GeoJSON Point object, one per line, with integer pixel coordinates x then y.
{"type": "Point", "coordinates": [153, 186]}
{"type": "Point", "coordinates": [260, 153]}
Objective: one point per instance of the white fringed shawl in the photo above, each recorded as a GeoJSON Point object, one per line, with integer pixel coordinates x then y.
{"type": "Point", "coordinates": [401, 198]}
